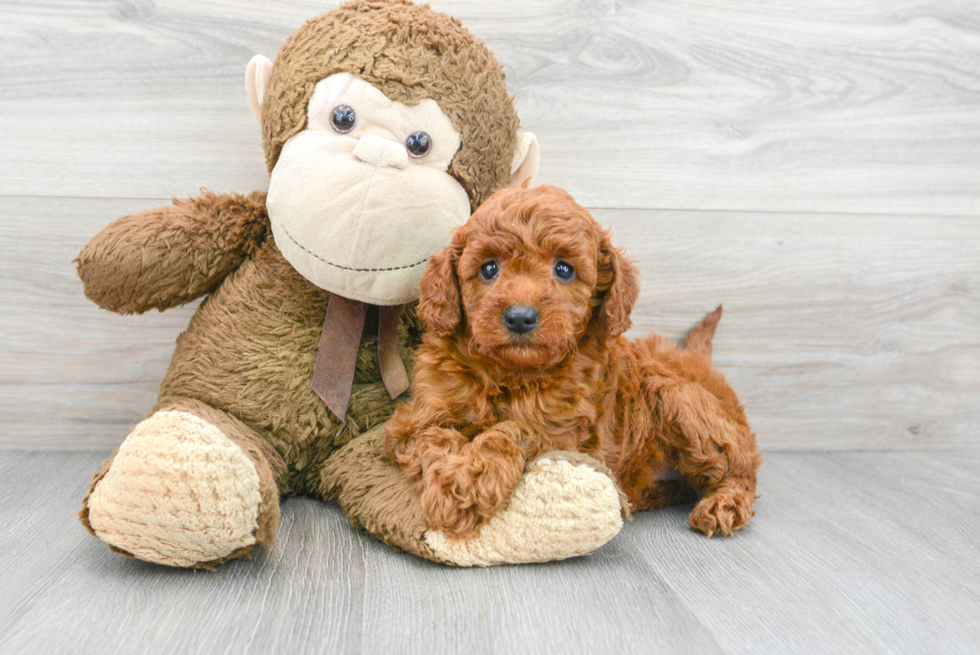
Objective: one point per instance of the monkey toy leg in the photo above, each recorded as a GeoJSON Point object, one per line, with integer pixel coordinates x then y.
{"type": "Point", "coordinates": [190, 486]}
{"type": "Point", "coordinates": [565, 505]}
{"type": "Point", "coordinates": [194, 487]}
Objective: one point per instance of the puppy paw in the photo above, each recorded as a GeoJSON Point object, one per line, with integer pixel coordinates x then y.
{"type": "Point", "coordinates": [565, 505]}
{"type": "Point", "coordinates": [459, 500]}
{"type": "Point", "coordinates": [461, 492]}
{"type": "Point", "coordinates": [443, 510]}
{"type": "Point", "coordinates": [723, 512]}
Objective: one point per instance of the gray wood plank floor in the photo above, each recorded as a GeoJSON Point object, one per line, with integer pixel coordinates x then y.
{"type": "Point", "coordinates": [849, 552]}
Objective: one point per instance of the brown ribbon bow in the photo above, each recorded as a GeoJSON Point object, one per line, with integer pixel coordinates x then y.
{"type": "Point", "coordinates": [336, 356]}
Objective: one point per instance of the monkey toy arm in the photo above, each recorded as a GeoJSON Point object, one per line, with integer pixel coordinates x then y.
{"type": "Point", "coordinates": [164, 257]}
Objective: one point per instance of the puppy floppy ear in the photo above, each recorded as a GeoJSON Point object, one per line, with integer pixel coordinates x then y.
{"type": "Point", "coordinates": [618, 286]}
{"type": "Point", "coordinates": [440, 306]}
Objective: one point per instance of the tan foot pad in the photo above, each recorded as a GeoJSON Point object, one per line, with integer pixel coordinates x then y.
{"type": "Point", "coordinates": [179, 492]}
{"type": "Point", "coordinates": [560, 509]}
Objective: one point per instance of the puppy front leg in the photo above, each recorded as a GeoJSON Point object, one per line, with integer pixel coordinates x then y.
{"type": "Point", "coordinates": [715, 450]}
{"type": "Point", "coordinates": [462, 490]}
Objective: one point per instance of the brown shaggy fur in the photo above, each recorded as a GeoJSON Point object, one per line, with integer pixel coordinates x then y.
{"type": "Point", "coordinates": [410, 53]}
{"type": "Point", "coordinates": [486, 400]}
{"type": "Point", "coordinates": [246, 361]}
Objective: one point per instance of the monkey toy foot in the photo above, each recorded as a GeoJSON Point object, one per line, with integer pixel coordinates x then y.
{"type": "Point", "coordinates": [178, 492]}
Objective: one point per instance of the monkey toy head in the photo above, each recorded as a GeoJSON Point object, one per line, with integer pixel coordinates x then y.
{"type": "Point", "coordinates": [385, 124]}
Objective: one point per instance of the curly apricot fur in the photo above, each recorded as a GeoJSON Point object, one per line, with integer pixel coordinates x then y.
{"type": "Point", "coordinates": [486, 400]}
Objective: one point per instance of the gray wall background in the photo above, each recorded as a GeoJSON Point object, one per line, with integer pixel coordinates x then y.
{"type": "Point", "coordinates": [813, 166]}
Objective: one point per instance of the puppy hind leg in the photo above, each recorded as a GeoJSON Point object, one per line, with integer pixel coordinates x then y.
{"type": "Point", "coordinates": [715, 452]}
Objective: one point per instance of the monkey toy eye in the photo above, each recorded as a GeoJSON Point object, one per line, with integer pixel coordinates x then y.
{"type": "Point", "coordinates": [418, 144]}
{"type": "Point", "coordinates": [489, 270]}
{"type": "Point", "coordinates": [564, 271]}
{"type": "Point", "coordinates": [343, 118]}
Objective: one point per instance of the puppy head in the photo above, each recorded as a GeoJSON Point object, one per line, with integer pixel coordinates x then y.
{"type": "Point", "coordinates": [533, 274]}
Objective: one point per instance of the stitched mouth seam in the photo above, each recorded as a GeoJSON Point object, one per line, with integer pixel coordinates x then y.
{"type": "Point", "coordinates": [351, 268]}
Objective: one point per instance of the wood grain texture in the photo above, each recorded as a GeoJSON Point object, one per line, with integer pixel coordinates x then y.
{"type": "Point", "coordinates": [848, 552]}
{"type": "Point", "coordinates": [822, 106]}
{"type": "Point", "coordinates": [870, 543]}
{"type": "Point", "coordinates": [813, 166]}
{"type": "Point", "coordinates": [70, 597]}
{"type": "Point", "coordinates": [840, 332]}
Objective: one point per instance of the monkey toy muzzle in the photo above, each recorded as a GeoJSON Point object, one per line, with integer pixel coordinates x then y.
{"type": "Point", "coordinates": [352, 207]}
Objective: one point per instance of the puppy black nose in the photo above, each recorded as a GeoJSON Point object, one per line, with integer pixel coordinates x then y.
{"type": "Point", "coordinates": [520, 319]}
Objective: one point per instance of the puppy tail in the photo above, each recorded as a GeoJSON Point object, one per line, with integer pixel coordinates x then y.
{"type": "Point", "coordinates": [699, 339]}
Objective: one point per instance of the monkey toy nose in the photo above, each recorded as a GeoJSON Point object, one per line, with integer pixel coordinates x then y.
{"type": "Point", "coordinates": [379, 151]}
{"type": "Point", "coordinates": [520, 319]}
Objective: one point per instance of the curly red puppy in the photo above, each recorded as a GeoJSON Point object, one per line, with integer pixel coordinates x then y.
{"type": "Point", "coordinates": [525, 310]}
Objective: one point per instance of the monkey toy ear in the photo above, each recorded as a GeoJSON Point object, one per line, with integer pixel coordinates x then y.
{"type": "Point", "coordinates": [440, 306]}
{"type": "Point", "coordinates": [527, 156]}
{"type": "Point", "coordinates": [257, 76]}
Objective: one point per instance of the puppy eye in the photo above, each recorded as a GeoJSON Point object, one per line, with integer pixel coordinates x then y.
{"type": "Point", "coordinates": [489, 270]}
{"type": "Point", "coordinates": [564, 271]}
{"type": "Point", "coordinates": [343, 118]}
{"type": "Point", "coordinates": [418, 144]}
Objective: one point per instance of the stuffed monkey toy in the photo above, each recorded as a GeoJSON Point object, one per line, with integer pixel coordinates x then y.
{"type": "Point", "coordinates": [384, 125]}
